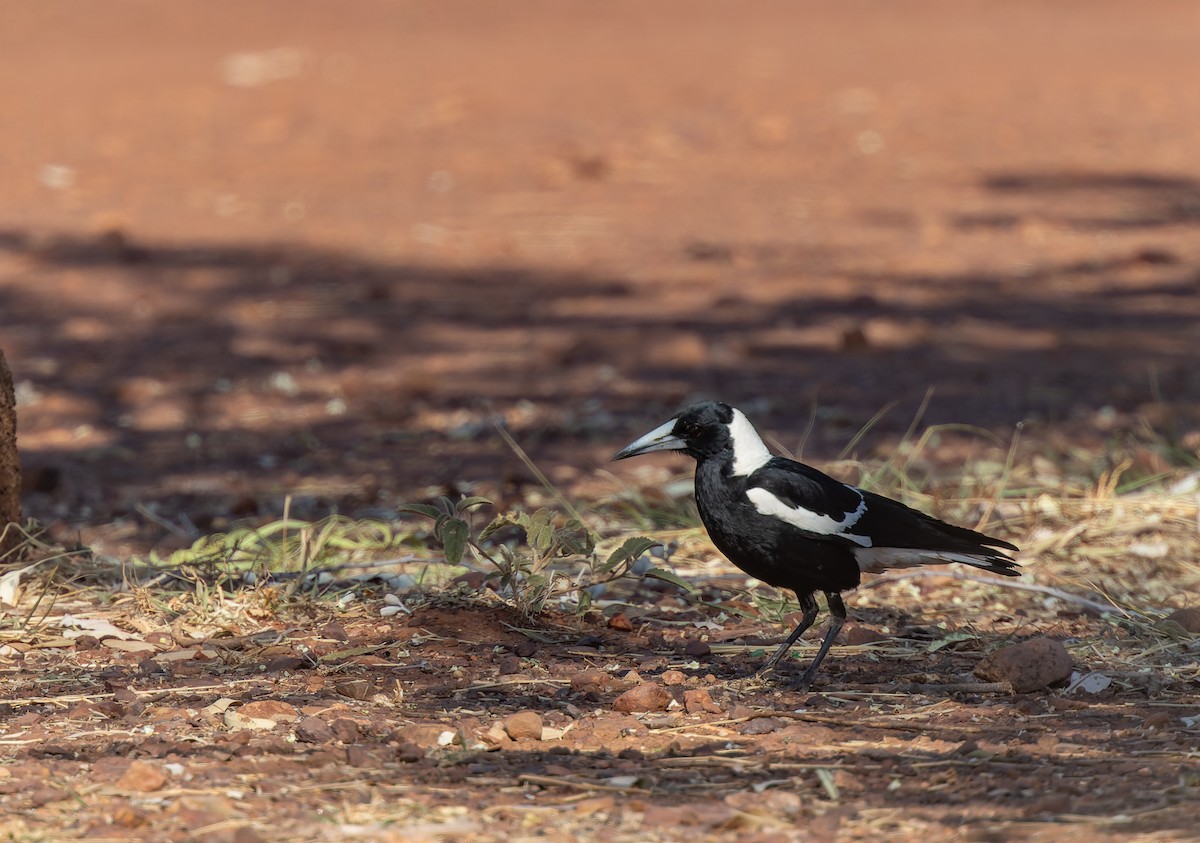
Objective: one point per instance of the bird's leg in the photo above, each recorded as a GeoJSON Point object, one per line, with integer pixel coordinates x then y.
{"type": "Point", "coordinates": [837, 613]}
{"type": "Point", "coordinates": [808, 604]}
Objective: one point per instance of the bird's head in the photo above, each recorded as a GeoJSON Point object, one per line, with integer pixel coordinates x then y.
{"type": "Point", "coordinates": [703, 430]}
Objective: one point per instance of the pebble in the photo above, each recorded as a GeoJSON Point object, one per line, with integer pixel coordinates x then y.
{"type": "Point", "coordinates": [648, 696]}
{"type": "Point", "coordinates": [673, 677]}
{"type": "Point", "coordinates": [142, 777]}
{"type": "Point", "coordinates": [1028, 666]}
{"type": "Point", "coordinates": [276, 710]}
{"type": "Point", "coordinates": [524, 725]}
{"type": "Point", "coordinates": [313, 730]}
{"type": "Point", "coordinates": [699, 701]}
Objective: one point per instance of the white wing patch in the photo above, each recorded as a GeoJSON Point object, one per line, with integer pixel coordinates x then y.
{"type": "Point", "coordinates": [872, 560]}
{"type": "Point", "coordinates": [749, 452]}
{"type": "Point", "coordinates": [812, 522]}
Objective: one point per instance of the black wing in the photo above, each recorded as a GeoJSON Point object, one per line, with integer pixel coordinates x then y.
{"type": "Point", "coordinates": [866, 519]}
{"type": "Point", "coordinates": [805, 488]}
{"type": "Point", "coordinates": [890, 523]}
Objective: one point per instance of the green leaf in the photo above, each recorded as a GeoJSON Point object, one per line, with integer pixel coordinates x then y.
{"type": "Point", "coordinates": [454, 539]}
{"type": "Point", "coordinates": [629, 550]}
{"type": "Point", "coordinates": [539, 533]}
{"type": "Point", "coordinates": [574, 538]}
{"type": "Point", "coordinates": [585, 601]}
{"type": "Point", "coordinates": [420, 509]}
{"type": "Point", "coordinates": [473, 502]}
{"type": "Point", "coordinates": [671, 577]}
{"type": "Point", "coordinates": [498, 523]}
{"type": "Point", "coordinates": [952, 638]}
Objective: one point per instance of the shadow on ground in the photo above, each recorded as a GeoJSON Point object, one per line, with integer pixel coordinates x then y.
{"type": "Point", "coordinates": [210, 380]}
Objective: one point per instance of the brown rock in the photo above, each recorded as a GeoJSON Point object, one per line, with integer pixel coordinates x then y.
{"type": "Point", "coordinates": [861, 635]}
{"type": "Point", "coordinates": [345, 729]}
{"type": "Point", "coordinates": [425, 735]}
{"type": "Point", "coordinates": [45, 795]}
{"type": "Point", "coordinates": [673, 677]}
{"type": "Point", "coordinates": [620, 622]}
{"type": "Point", "coordinates": [1189, 619]}
{"type": "Point", "coordinates": [1028, 666]}
{"type": "Point", "coordinates": [313, 730]}
{"type": "Point", "coordinates": [124, 816]}
{"type": "Point", "coordinates": [591, 681]}
{"type": "Point", "coordinates": [355, 689]}
{"type": "Point", "coordinates": [510, 665]}
{"type": "Point", "coordinates": [409, 753]}
{"type": "Point", "coordinates": [698, 701]}
{"type": "Point", "coordinates": [276, 710]}
{"type": "Point", "coordinates": [761, 726]}
{"type": "Point", "coordinates": [648, 696]}
{"type": "Point", "coordinates": [497, 735]}
{"type": "Point", "coordinates": [524, 725]}
{"type": "Point", "coordinates": [697, 649]}
{"type": "Point", "coordinates": [142, 777]}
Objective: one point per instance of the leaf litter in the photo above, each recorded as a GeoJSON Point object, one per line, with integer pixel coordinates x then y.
{"type": "Point", "coordinates": [398, 721]}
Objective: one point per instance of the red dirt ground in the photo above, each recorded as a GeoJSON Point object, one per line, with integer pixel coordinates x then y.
{"type": "Point", "coordinates": [298, 248]}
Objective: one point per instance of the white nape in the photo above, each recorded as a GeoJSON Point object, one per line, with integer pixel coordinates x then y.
{"type": "Point", "coordinates": [749, 452]}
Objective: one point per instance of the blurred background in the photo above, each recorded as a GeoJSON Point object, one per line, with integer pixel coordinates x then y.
{"type": "Point", "coordinates": [253, 250]}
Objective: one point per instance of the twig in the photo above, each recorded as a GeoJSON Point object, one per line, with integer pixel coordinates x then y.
{"type": "Point", "coordinates": [1102, 608]}
{"type": "Point", "coordinates": [551, 781]}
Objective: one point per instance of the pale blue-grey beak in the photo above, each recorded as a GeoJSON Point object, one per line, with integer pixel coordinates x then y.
{"type": "Point", "coordinates": [661, 438]}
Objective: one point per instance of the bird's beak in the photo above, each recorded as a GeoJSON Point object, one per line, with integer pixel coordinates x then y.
{"type": "Point", "coordinates": [660, 439]}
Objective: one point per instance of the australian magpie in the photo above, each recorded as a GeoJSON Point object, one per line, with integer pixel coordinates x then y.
{"type": "Point", "coordinates": [791, 526]}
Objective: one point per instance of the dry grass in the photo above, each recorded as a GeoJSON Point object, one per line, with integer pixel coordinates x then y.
{"type": "Point", "coordinates": [1103, 565]}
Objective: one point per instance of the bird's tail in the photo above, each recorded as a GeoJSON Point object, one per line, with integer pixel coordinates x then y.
{"type": "Point", "coordinates": [875, 559]}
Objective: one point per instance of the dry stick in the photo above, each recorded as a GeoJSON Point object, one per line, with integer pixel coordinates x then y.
{"type": "Point", "coordinates": [550, 781]}
{"type": "Point", "coordinates": [1103, 608]}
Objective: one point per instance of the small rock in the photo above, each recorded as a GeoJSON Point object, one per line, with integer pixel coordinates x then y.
{"type": "Point", "coordinates": [510, 665]}
{"type": "Point", "coordinates": [355, 689]}
{"type": "Point", "coordinates": [424, 735]}
{"type": "Point", "coordinates": [524, 725]}
{"type": "Point", "coordinates": [496, 735]}
{"type": "Point", "coordinates": [591, 681]}
{"type": "Point", "coordinates": [276, 710]}
{"type": "Point", "coordinates": [698, 701]}
{"type": "Point", "coordinates": [761, 726]}
{"type": "Point", "coordinates": [313, 730]}
{"type": "Point", "coordinates": [1158, 720]}
{"type": "Point", "coordinates": [124, 816]}
{"type": "Point", "coordinates": [697, 649]}
{"type": "Point", "coordinates": [1028, 666]}
{"type": "Point", "coordinates": [345, 730]}
{"type": "Point", "coordinates": [673, 677]}
{"type": "Point", "coordinates": [335, 632]}
{"type": "Point", "coordinates": [45, 795]}
{"type": "Point", "coordinates": [143, 778]}
{"type": "Point", "coordinates": [1189, 619]}
{"type": "Point", "coordinates": [648, 696]}
{"type": "Point", "coordinates": [861, 635]}
{"type": "Point", "coordinates": [620, 622]}
{"type": "Point", "coordinates": [409, 753]}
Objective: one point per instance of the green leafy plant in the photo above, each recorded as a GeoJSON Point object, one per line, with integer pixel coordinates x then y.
{"type": "Point", "coordinates": [532, 551]}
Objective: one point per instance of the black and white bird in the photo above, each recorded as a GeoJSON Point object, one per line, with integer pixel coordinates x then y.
{"type": "Point", "coordinates": [791, 526]}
